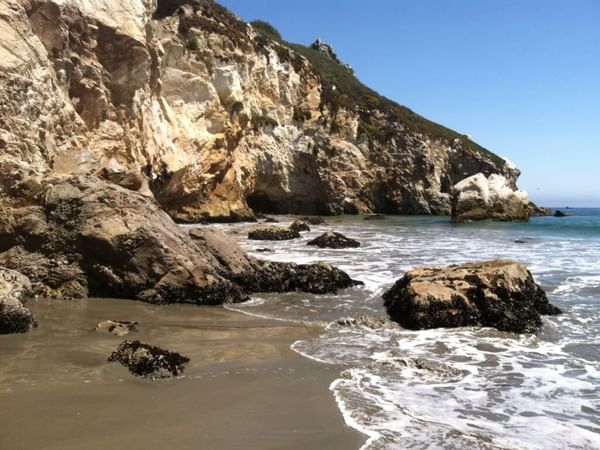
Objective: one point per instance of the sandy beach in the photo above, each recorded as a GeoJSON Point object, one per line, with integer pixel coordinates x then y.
{"type": "Point", "coordinates": [244, 387]}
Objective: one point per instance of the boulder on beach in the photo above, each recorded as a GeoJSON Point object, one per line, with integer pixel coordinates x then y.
{"type": "Point", "coordinates": [479, 198]}
{"type": "Point", "coordinates": [14, 317]}
{"type": "Point", "coordinates": [499, 293]}
{"type": "Point", "coordinates": [117, 327]}
{"type": "Point", "coordinates": [299, 225]}
{"type": "Point", "coordinates": [332, 239]}
{"type": "Point", "coordinates": [272, 233]}
{"type": "Point", "coordinates": [146, 360]}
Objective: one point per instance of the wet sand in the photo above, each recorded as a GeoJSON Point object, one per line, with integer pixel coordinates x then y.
{"type": "Point", "coordinates": [243, 389]}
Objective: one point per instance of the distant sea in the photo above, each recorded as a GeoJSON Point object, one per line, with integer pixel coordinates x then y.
{"type": "Point", "coordinates": [480, 388]}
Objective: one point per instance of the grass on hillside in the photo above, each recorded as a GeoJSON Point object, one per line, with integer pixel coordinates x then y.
{"type": "Point", "coordinates": [341, 89]}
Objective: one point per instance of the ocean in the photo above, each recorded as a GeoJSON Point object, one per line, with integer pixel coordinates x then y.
{"type": "Point", "coordinates": [458, 388]}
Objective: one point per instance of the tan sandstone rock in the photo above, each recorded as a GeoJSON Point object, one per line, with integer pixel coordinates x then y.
{"type": "Point", "coordinates": [499, 293]}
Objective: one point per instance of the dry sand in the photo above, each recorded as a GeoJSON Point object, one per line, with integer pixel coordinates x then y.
{"type": "Point", "coordinates": [243, 389]}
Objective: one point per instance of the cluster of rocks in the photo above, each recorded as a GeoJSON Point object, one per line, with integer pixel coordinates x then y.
{"type": "Point", "coordinates": [83, 236]}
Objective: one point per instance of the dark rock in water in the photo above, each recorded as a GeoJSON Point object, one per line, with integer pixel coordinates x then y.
{"type": "Point", "coordinates": [332, 239]}
{"type": "Point", "coordinates": [559, 213]}
{"type": "Point", "coordinates": [318, 278]}
{"type": "Point", "coordinates": [14, 317]}
{"type": "Point", "coordinates": [313, 220]}
{"type": "Point", "coordinates": [271, 220]}
{"type": "Point", "coordinates": [146, 360]}
{"type": "Point", "coordinates": [500, 294]}
{"type": "Point", "coordinates": [374, 322]}
{"type": "Point", "coordinates": [272, 233]}
{"type": "Point", "coordinates": [263, 250]}
{"type": "Point", "coordinates": [375, 217]}
{"type": "Point", "coordinates": [520, 241]}
{"type": "Point", "coordinates": [535, 210]}
{"type": "Point", "coordinates": [117, 327]}
{"type": "Point", "coordinates": [299, 225]}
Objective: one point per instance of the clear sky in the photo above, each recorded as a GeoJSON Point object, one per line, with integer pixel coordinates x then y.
{"type": "Point", "coordinates": [522, 77]}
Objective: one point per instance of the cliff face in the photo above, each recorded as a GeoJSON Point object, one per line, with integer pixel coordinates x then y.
{"type": "Point", "coordinates": [182, 101]}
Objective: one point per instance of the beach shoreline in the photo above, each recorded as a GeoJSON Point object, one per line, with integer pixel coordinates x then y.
{"type": "Point", "coordinates": [243, 388]}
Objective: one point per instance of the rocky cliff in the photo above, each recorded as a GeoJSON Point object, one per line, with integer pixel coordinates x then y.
{"type": "Point", "coordinates": [212, 117]}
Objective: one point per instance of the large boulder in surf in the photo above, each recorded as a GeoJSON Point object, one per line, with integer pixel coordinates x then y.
{"type": "Point", "coordinates": [479, 197]}
{"type": "Point", "coordinates": [499, 293]}
{"type": "Point", "coordinates": [14, 317]}
{"type": "Point", "coordinates": [79, 236]}
{"type": "Point", "coordinates": [146, 360]}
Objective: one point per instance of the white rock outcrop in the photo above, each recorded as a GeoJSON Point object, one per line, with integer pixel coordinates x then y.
{"type": "Point", "coordinates": [479, 197]}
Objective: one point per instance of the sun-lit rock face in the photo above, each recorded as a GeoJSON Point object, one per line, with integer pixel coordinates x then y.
{"type": "Point", "coordinates": [209, 116]}
{"type": "Point", "coordinates": [479, 197]}
{"type": "Point", "coordinates": [498, 293]}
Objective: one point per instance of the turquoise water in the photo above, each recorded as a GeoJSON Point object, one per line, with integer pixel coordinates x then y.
{"type": "Point", "coordinates": [491, 389]}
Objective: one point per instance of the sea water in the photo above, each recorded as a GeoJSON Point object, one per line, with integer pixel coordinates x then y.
{"type": "Point", "coordinates": [456, 388]}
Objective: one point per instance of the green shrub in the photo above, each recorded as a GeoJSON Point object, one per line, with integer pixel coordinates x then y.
{"type": "Point", "coordinates": [192, 42]}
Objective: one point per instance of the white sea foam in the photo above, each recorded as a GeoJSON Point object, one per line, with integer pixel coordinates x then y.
{"type": "Point", "coordinates": [494, 390]}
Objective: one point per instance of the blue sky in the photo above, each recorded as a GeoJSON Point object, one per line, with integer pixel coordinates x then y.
{"type": "Point", "coordinates": [522, 77]}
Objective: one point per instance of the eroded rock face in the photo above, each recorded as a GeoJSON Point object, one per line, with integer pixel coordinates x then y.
{"type": "Point", "coordinates": [479, 197]}
{"type": "Point", "coordinates": [184, 100]}
{"type": "Point", "coordinates": [14, 317]}
{"type": "Point", "coordinates": [332, 239]}
{"type": "Point", "coordinates": [500, 294]}
{"type": "Point", "coordinates": [273, 233]}
{"type": "Point", "coordinates": [146, 360]}
{"type": "Point", "coordinates": [112, 243]}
